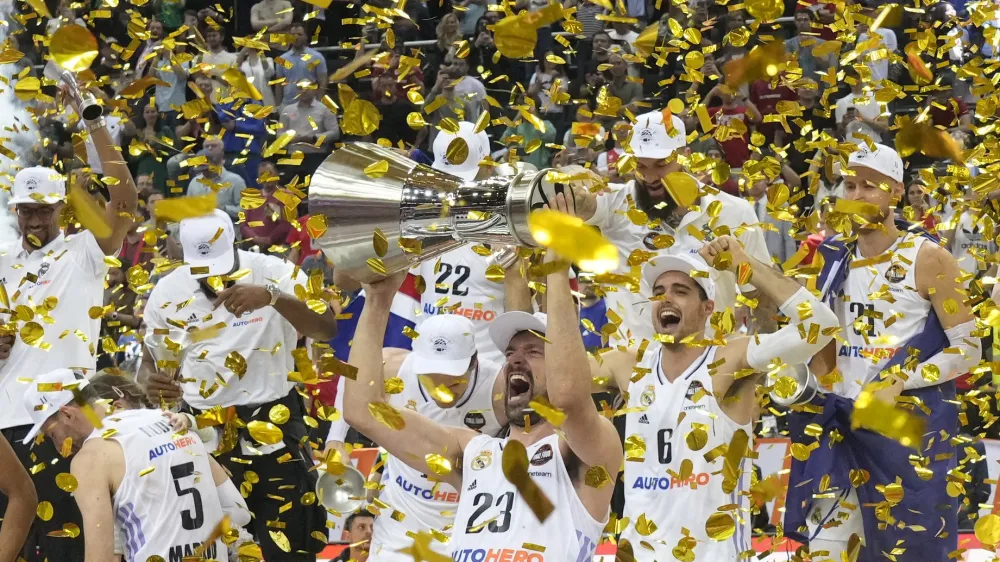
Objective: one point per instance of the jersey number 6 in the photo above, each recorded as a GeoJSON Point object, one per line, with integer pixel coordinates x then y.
{"type": "Point", "coordinates": [663, 445]}
{"type": "Point", "coordinates": [188, 521]}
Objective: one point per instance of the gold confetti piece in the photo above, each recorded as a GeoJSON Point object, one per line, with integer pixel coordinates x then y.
{"type": "Point", "coordinates": [138, 88]}
{"type": "Point", "coordinates": [457, 152]}
{"type": "Point", "coordinates": [682, 187]}
{"type": "Point", "coordinates": [387, 415]}
{"type": "Point", "coordinates": [73, 47]}
{"type": "Point", "coordinates": [66, 482]}
{"type": "Point", "coordinates": [378, 169]}
{"type": "Point", "coordinates": [380, 243]}
{"type": "Point", "coordinates": [31, 333]}
{"type": "Point", "coordinates": [547, 411]}
{"type": "Point", "coordinates": [720, 526]}
{"type": "Point", "coordinates": [635, 448]}
{"type": "Point", "coordinates": [40, 8]}
{"type": "Point", "coordinates": [265, 433]}
{"type": "Point", "coordinates": [698, 438]}
{"type": "Point", "coordinates": [179, 208]}
{"type": "Point", "coordinates": [88, 212]}
{"type": "Point", "coordinates": [574, 240]}
{"type": "Point", "coordinates": [27, 88]}
{"type": "Point", "coordinates": [438, 464]}
{"type": "Point", "coordinates": [278, 144]}
{"type": "Point", "coordinates": [280, 540]}
{"type": "Point", "coordinates": [883, 418]}
{"type": "Point", "coordinates": [645, 526]}
{"type": "Point", "coordinates": [236, 363]}
{"type": "Point", "coordinates": [361, 118]}
{"type": "Point", "coordinates": [394, 385]}
{"type": "Point", "coordinates": [597, 477]}
{"type": "Point", "coordinates": [515, 470]}
{"type": "Point", "coordinates": [765, 11]}
{"type": "Point", "coordinates": [45, 511]}
{"type": "Point", "coordinates": [279, 414]}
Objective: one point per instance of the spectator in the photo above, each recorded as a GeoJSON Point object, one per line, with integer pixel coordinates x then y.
{"type": "Point", "coordinates": [217, 59]}
{"type": "Point", "coordinates": [274, 15]}
{"type": "Point", "coordinates": [66, 15]}
{"type": "Point", "coordinates": [593, 311]}
{"type": "Point", "coordinates": [466, 85]}
{"type": "Point", "coordinates": [243, 137]}
{"type": "Point", "coordinates": [948, 110]}
{"type": "Point", "coordinates": [144, 184]}
{"type": "Point", "coordinates": [259, 70]}
{"type": "Point", "coordinates": [299, 242]}
{"type": "Point", "coordinates": [587, 14]}
{"type": "Point", "coordinates": [524, 133]}
{"type": "Point", "coordinates": [875, 50]}
{"type": "Point", "coordinates": [808, 126]}
{"type": "Point", "coordinates": [458, 106]}
{"type": "Point", "coordinates": [619, 84]}
{"type": "Point", "coordinates": [134, 249]}
{"type": "Point", "coordinates": [149, 50]}
{"type": "Point", "coordinates": [607, 162]}
{"type": "Point", "coordinates": [916, 206]}
{"type": "Point", "coordinates": [358, 533]}
{"type": "Point", "coordinates": [152, 134]}
{"type": "Point", "coordinates": [448, 34]}
{"type": "Point", "coordinates": [730, 52]}
{"type": "Point", "coordinates": [119, 313]}
{"type": "Point", "coordinates": [468, 18]}
{"type": "Point", "coordinates": [305, 63]}
{"type": "Point", "coordinates": [805, 42]}
{"type": "Point", "coordinates": [589, 64]}
{"type": "Point", "coordinates": [731, 109]}
{"type": "Point", "coordinates": [171, 13]}
{"type": "Point", "coordinates": [315, 128]}
{"type": "Point", "coordinates": [214, 177]}
{"type": "Point", "coordinates": [172, 93]}
{"type": "Point", "coordinates": [713, 159]}
{"type": "Point", "coordinates": [266, 225]}
{"type": "Point", "coordinates": [860, 105]}
{"type": "Point", "coordinates": [622, 34]}
{"type": "Point", "coordinates": [390, 86]}
{"type": "Point", "coordinates": [766, 95]}
{"type": "Point", "coordinates": [550, 78]}
{"type": "Point", "coordinates": [777, 235]}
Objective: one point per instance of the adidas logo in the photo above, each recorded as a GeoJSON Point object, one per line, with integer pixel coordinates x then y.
{"type": "Point", "coordinates": [192, 318]}
{"type": "Point", "coordinates": [472, 486]}
{"type": "Point", "coordinates": [644, 419]}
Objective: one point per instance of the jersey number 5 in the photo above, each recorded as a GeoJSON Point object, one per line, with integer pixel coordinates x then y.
{"type": "Point", "coordinates": [498, 525]}
{"type": "Point", "coordinates": [189, 521]}
{"type": "Point", "coordinates": [444, 272]}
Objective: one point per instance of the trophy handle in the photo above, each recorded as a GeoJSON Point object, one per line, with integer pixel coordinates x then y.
{"type": "Point", "coordinates": [90, 110]}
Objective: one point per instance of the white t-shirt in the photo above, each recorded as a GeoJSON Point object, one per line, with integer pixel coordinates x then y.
{"type": "Point", "coordinates": [263, 338]}
{"type": "Point", "coordinates": [880, 64]}
{"type": "Point", "coordinates": [635, 308]}
{"type": "Point", "coordinates": [864, 103]}
{"type": "Point", "coordinates": [70, 270]}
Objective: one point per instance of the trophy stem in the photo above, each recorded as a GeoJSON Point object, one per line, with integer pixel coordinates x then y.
{"type": "Point", "coordinates": [90, 110]}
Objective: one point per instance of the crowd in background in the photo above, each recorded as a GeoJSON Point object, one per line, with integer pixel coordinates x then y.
{"type": "Point", "coordinates": [192, 133]}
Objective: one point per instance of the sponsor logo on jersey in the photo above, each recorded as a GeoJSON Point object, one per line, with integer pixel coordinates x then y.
{"type": "Point", "coordinates": [693, 389]}
{"type": "Point", "coordinates": [896, 273]}
{"type": "Point", "coordinates": [182, 552]}
{"type": "Point", "coordinates": [429, 494]}
{"type": "Point", "coordinates": [868, 352]}
{"type": "Point", "coordinates": [470, 313]}
{"type": "Point", "coordinates": [542, 456]}
{"type": "Point", "coordinates": [644, 419]}
{"type": "Point", "coordinates": [174, 445]}
{"type": "Point", "coordinates": [482, 460]}
{"type": "Point", "coordinates": [540, 474]}
{"type": "Point", "coordinates": [247, 322]}
{"type": "Point", "coordinates": [497, 555]}
{"type": "Point", "coordinates": [475, 420]}
{"type": "Point", "coordinates": [663, 483]}
{"type": "Point", "coordinates": [648, 396]}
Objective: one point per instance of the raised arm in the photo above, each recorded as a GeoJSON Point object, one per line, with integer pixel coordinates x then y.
{"type": "Point", "coordinates": [21, 503]}
{"type": "Point", "coordinates": [91, 465]}
{"type": "Point", "coordinates": [412, 437]}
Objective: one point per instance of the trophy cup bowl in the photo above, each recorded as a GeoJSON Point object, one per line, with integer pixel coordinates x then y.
{"type": "Point", "coordinates": [342, 493]}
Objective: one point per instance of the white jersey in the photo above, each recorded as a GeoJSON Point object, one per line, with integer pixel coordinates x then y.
{"type": "Point", "coordinates": [664, 415]}
{"type": "Point", "coordinates": [716, 210]}
{"type": "Point", "coordinates": [456, 282]}
{"type": "Point", "coordinates": [426, 504]}
{"type": "Point", "coordinates": [495, 523]}
{"type": "Point", "coordinates": [167, 504]}
{"type": "Point", "coordinates": [971, 247]}
{"type": "Point", "coordinates": [879, 312]}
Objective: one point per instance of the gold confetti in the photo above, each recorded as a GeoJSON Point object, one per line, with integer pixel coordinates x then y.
{"type": "Point", "coordinates": [66, 482]}
{"type": "Point", "coordinates": [279, 414]}
{"type": "Point", "coordinates": [280, 540]}
{"type": "Point", "coordinates": [438, 464]}
{"type": "Point", "coordinates": [574, 240]}
{"type": "Point", "coordinates": [146, 471]}
{"type": "Point", "coordinates": [265, 433]}
{"type": "Point", "coordinates": [895, 423]}
{"type": "Point", "coordinates": [378, 169]}
{"type": "Point", "coordinates": [45, 511]}
{"type": "Point", "coordinates": [387, 415]}
{"type": "Point", "coordinates": [73, 47]}
{"type": "Point", "coordinates": [515, 470]}
{"type": "Point", "coordinates": [720, 526]}
{"type": "Point", "coordinates": [180, 208]}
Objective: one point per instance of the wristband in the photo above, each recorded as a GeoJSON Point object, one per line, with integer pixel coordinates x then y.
{"type": "Point", "coordinates": [96, 124]}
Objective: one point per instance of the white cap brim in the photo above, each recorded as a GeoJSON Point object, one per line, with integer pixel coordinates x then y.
{"type": "Point", "coordinates": [221, 265]}
{"type": "Point", "coordinates": [450, 367]}
{"type": "Point", "coordinates": [504, 327]}
{"type": "Point", "coordinates": [45, 200]}
{"type": "Point", "coordinates": [467, 174]}
{"type": "Point", "coordinates": [36, 429]}
{"type": "Point", "coordinates": [659, 265]}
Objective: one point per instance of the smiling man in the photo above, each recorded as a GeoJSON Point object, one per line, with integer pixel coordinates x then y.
{"type": "Point", "coordinates": [677, 220]}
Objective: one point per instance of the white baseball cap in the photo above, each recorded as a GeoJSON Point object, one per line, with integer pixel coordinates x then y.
{"type": "Point", "coordinates": [883, 160]}
{"type": "Point", "coordinates": [445, 346]}
{"type": "Point", "coordinates": [38, 185]}
{"type": "Point", "coordinates": [479, 149]}
{"type": "Point", "coordinates": [208, 243]}
{"type": "Point", "coordinates": [650, 138]}
{"type": "Point", "coordinates": [504, 327]}
{"type": "Point", "coordinates": [47, 394]}
{"type": "Point", "coordinates": [686, 263]}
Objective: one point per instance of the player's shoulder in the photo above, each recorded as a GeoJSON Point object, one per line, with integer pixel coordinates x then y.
{"type": "Point", "coordinates": [177, 282]}
{"type": "Point", "coordinates": [95, 456]}
{"type": "Point", "coordinates": [930, 252]}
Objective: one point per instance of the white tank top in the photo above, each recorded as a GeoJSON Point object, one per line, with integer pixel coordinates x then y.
{"type": "Point", "coordinates": [456, 283]}
{"type": "Point", "coordinates": [969, 244]}
{"type": "Point", "coordinates": [495, 523]}
{"type": "Point", "coordinates": [167, 503]}
{"type": "Point", "coordinates": [427, 504]}
{"type": "Point", "coordinates": [864, 312]}
{"type": "Point", "coordinates": [664, 415]}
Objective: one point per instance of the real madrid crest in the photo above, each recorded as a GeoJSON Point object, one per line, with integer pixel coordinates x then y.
{"type": "Point", "coordinates": [648, 396]}
{"type": "Point", "coordinates": [482, 460]}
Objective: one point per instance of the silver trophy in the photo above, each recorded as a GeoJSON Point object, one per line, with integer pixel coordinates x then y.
{"type": "Point", "coordinates": [343, 493]}
{"type": "Point", "coordinates": [421, 213]}
{"type": "Point", "coordinates": [87, 102]}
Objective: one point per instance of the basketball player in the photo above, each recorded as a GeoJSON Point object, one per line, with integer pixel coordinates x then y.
{"type": "Point", "coordinates": [908, 333]}
{"type": "Point", "coordinates": [659, 153]}
{"type": "Point", "coordinates": [493, 520]}
{"type": "Point", "coordinates": [446, 380]}
{"type": "Point", "coordinates": [688, 396]}
{"type": "Point", "coordinates": [132, 457]}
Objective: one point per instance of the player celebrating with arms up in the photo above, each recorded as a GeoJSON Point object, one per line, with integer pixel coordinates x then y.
{"type": "Point", "coordinates": [493, 518]}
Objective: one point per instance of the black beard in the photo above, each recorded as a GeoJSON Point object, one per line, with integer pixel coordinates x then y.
{"type": "Point", "coordinates": [664, 210]}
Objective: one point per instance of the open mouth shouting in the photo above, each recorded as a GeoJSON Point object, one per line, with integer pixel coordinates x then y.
{"type": "Point", "coordinates": [519, 385]}
{"type": "Point", "coordinates": [668, 319]}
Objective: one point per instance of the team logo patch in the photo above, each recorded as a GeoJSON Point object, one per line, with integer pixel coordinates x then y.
{"type": "Point", "coordinates": [648, 396]}
{"type": "Point", "coordinates": [204, 248]}
{"type": "Point", "coordinates": [31, 184]}
{"type": "Point", "coordinates": [43, 269]}
{"type": "Point", "coordinates": [542, 455]}
{"type": "Point", "coordinates": [645, 136]}
{"type": "Point", "coordinates": [440, 344]}
{"type": "Point", "coordinates": [895, 274]}
{"type": "Point", "coordinates": [482, 460]}
{"type": "Point", "coordinates": [475, 420]}
{"type": "Point", "coordinates": [648, 241]}
{"type": "Point", "coordinates": [693, 389]}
